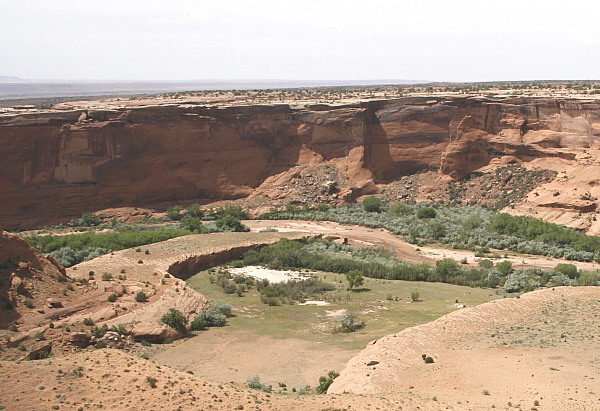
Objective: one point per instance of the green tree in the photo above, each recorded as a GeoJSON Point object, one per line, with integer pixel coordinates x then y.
{"type": "Point", "coordinates": [355, 278]}
{"type": "Point", "coordinates": [372, 204]}
{"type": "Point", "coordinates": [505, 267]}
{"type": "Point", "coordinates": [175, 320]}
{"type": "Point", "coordinates": [89, 220]}
{"type": "Point", "coordinates": [446, 269]}
{"type": "Point", "coordinates": [485, 263]}
{"type": "Point", "coordinates": [325, 382]}
{"type": "Point", "coordinates": [193, 224]}
{"type": "Point", "coordinates": [230, 223]}
{"type": "Point", "coordinates": [569, 270]}
{"type": "Point", "coordinates": [473, 222]}
{"type": "Point", "coordinates": [426, 212]}
{"type": "Point", "coordinates": [174, 213]}
{"type": "Point", "coordinates": [194, 210]}
{"type": "Point", "coordinates": [437, 230]}
{"type": "Point", "coordinates": [399, 209]}
{"type": "Point", "coordinates": [141, 297]}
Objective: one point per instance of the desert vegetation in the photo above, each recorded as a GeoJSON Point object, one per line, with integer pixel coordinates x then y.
{"type": "Point", "coordinates": [381, 263]}
{"type": "Point", "coordinates": [71, 249]}
{"type": "Point", "coordinates": [471, 228]}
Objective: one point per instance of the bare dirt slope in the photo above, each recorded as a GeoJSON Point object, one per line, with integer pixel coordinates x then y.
{"type": "Point", "coordinates": [223, 356]}
{"type": "Point", "coordinates": [541, 348]}
{"type": "Point", "coordinates": [113, 380]}
{"type": "Point", "coordinates": [535, 352]}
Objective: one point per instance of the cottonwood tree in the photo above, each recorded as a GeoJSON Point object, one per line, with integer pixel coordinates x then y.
{"type": "Point", "coordinates": [355, 278]}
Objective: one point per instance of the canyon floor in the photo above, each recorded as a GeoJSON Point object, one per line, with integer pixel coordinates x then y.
{"type": "Point", "coordinates": [539, 351]}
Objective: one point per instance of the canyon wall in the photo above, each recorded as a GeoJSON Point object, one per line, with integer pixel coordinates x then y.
{"type": "Point", "coordinates": [57, 164]}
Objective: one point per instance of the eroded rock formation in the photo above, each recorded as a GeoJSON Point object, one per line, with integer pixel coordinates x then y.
{"type": "Point", "coordinates": [57, 164]}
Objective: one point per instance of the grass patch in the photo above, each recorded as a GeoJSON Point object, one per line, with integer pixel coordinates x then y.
{"type": "Point", "coordinates": [313, 323]}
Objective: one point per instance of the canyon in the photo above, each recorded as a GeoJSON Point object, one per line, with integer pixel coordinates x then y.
{"type": "Point", "coordinates": [61, 162]}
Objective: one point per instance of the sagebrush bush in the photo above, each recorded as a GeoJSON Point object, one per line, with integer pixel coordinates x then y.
{"type": "Point", "coordinates": [211, 318]}
{"type": "Point", "coordinates": [222, 307]}
{"type": "Point", "coordinates": [347, 323]}
{"type": "Point", "coordinates": [255, 384]}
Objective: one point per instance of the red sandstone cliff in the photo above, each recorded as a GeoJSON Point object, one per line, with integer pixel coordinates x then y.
{"type": "Point", "coordinates": [55, 165]}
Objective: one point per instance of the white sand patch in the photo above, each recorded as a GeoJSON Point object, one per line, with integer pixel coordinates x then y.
{"type": "Point", "coordinates": [335, 313]}
{"type": "Point", "coordinates": [319, 303]}
{"type": "Point", "coordinates": [274, 276]}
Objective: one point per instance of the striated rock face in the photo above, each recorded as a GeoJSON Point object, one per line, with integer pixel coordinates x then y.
{"type": "Point", "coordinates": [145, 324]}
{"type": "Point", "coordinates": [56, 165]}
{"type": "Point", "coordinates": [14, 248]}
{"type": "Point", "coordinates": [25, 274]}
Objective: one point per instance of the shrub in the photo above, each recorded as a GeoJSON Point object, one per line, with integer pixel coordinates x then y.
{"type": "Point", "coordinates": [230, 223]}
{"type": "Point", "coordinates": [325, 382]}
{"type": "Point", "coordinates": [372, 204]}
{"type": "Point", "coordinates": [399, 210]}
{"type": "Point", "coordinates": [234, 211]}
{"type": "Point", "coordinates": [569, 270]}
{"type": "Point", "coordinates": [112, 298]}
{"type": "Point", "coordinates": [222, 307]}
{"type": "Point", "coordinates": [447, 268]}
{"type": "Point", "coordinates": [74, 248]}
{"type": "Point", "coordinates": [212, 318]}
{"type": "Point", "coordinates": [589, 278]}
{"type": "Point", "coordinates": [414, 296]}
{"type": "Point", "coordinates": [348, 323]}
{"type": "Point", "coordinates": [28, 303]}
{"type": "Point", "coordinates": [194, 210]}
{"type": "Point", "coordinates": [141, 297]}
{"type": "Point", "coordinates": [520, 281]}
{"type": "Point", "coordinates": [43, 355]}
{"type": "Point", "coordinates": [473, 222]}
{"type": "Point", "coordinates": [426, 212]}
{"type": "Point", "coordinates": [193, 224]}
{"type": "Point", "coordinates": [151, 381]}
{"type": "Point", "coordinates": [255, 384]}
{"type": "Point", "coordinates": [505, 267]}
{"type": "Point", "coordinates": [487, 264]}
{"type": "Point", "coordinates": [174, 213]}
{"type": "Point", "coordinates": [198, 324]}
{"type": "Point", "coordinates": [427, 359]}
{"type": "Point", "coordinates": [88, 321]}
{"type": "Point", "coordinates": [559, 279]}
{"type": "Point", "coordinates": [106, 276]}
{"type": "Point", "coordinates": [175, 320]}
{"type": "Point", "coordinates": [437, 231]}
{"type": "Point", "coordinates": [86, 220]}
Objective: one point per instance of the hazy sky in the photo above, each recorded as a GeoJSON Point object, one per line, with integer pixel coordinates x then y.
{"type": "Point", "coordinates": [446, 40]}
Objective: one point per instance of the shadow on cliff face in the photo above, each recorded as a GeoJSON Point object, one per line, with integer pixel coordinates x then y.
{"type": "Point", "coordinates": [193, 265]}
{"type": "Point", "coordinates": [405, 140]}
